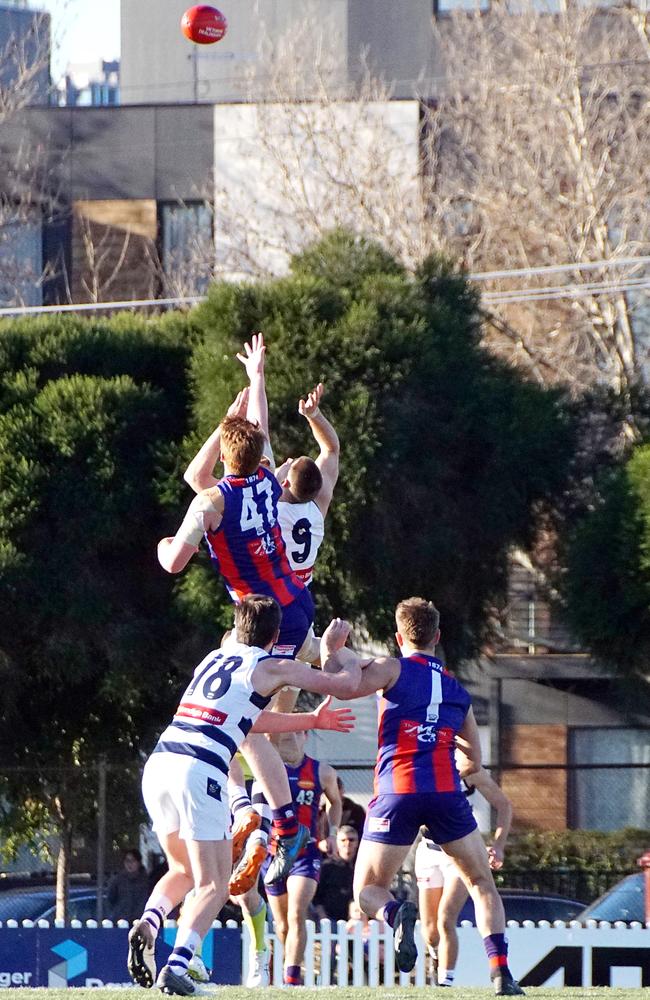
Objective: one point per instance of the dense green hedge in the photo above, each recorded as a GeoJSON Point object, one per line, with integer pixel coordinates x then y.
{"type": "Point", "coordinates": [577, 863]}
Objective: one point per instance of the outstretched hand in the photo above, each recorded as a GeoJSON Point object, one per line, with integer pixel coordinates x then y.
{"type": "Point", "coordinates": [238, 407]}
{"type": "Point", "coordinates": [341, 720]}
{"type": "Point", "coordinates": [253, 358]}
{"type": "Point", "coordinates": [309, 407]}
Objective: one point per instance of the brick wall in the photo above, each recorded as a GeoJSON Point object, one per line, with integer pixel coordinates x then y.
{"type": "Point", "coordinates": [539, 797]}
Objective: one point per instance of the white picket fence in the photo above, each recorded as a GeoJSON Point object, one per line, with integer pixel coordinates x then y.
{"type": "Point", "coordinates": [343, 954]}
{"type": "Point", "coordinates": [354, 955]}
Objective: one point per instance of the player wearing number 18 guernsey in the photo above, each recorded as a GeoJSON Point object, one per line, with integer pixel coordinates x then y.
{"type": "Point", "coordinates": [184, 780]}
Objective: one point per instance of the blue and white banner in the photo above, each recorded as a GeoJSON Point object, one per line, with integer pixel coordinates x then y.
{"type": "Point", "coordinates": [97, 956]}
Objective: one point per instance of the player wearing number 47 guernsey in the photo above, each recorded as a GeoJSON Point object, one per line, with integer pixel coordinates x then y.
{"type": "Point", "coordinates": [424, 714]}
{"type": "Point", "coordinates": [239, 518]}
{"type": "Point", "coordinates": [239, 513]}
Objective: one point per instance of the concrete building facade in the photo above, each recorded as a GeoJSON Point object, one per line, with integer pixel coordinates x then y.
{"type": "Point", "coordinates": [332, 38]}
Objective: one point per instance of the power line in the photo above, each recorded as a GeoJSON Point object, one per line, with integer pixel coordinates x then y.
{"type": "Point", "coordinates": [502, 297]}
{"type": "Point", "coordinates": [590, 265]}
{"type": "Point", "coordinates": [565, 291]}
{"type": "Point", "coordinates": [188, 300]}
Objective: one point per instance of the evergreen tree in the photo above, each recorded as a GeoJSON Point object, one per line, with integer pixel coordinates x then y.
{"type": "Point", "coordinates": [447, 453]}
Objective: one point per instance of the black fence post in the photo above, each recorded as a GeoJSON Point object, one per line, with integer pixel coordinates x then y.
{"type": "Point", "coordinates": [101, 835]}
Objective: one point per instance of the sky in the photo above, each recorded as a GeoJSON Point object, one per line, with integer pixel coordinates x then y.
{"type": "Point", "coordinates": [82, 31]}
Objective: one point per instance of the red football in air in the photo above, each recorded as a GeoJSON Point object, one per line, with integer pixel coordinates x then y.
{"type": "Point", "coordinates": [203, 24]}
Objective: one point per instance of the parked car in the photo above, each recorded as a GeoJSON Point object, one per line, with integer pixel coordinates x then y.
{"type": "Point", "coordinates": [40, 904]}
{"type": "Point", "coordinates": [521, 905]}
{"type": "Point", "coordinates": [624, 901]}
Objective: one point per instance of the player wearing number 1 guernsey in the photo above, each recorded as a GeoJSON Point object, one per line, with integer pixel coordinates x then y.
{"type": "Point", "coordinates": [424, 714]}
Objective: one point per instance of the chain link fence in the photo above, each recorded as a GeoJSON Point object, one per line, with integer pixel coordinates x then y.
{"type": "Point", "coordinates": [564, 838]}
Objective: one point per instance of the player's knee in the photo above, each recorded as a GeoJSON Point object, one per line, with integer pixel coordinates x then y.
{"type": "Point", "coordinates": [483, 884]}
{"type": "Point", "coordinates": [447, 922]}
{"type": "Point", "coordinates": [207, 887]}
{"type": "Point", "coordinates": [297, 915]}
{"type": "Point", "coordinates": [362, 899]}
{"type": "Point", "coordinates": [281, 928]}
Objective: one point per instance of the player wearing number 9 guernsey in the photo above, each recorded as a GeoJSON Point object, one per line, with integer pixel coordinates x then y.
{"type": "Point", "coordinates": [307, 490]}
{"type": "Point", "coordinates": [184, 780]}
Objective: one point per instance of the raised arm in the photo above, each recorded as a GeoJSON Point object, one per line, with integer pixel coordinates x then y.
{"type": "Point", "coordinates": [328, 442]}
{"type": "Point", "coordinates": [497, 798]}
{"type": "Point", "coordinates": [203, 514]}
{"type": "Point", "coordinates": [200, 472]}
{"type": "Point", "coordinates": [253, 361]}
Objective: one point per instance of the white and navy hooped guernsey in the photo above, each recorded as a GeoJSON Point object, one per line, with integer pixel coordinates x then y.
{"type": "Point", "coordinates": [218, 708]}
{"type": "Point", "coordinates": [303, 530]}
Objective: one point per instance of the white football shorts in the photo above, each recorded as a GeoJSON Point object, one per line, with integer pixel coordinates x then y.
{"type": "Point", "coordinates": [185, 795]}
{"type": "Point", "coordinates": [433, 867]}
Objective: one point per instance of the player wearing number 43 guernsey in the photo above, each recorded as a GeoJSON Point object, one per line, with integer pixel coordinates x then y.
{"type": "Point", "coordinates": [290, 899]}
{"type": "Point", "coordinates": [424, 715]}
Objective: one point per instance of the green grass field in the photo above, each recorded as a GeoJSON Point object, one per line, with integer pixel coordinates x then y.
{"type": "Point", "coordinates": [344, 993]}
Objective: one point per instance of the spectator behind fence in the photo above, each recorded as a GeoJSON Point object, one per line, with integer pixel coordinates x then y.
{"type": "Point", "coordinates": [128, 890]}
{"type": "Point", "coordinates": [353, 814]}
{"type": "Point", "coordinates": [357, 916]}
{"type": "Point", "coordinates": [334, 893]}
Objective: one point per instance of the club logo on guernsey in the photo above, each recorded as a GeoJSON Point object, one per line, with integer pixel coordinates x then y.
{"type": "Point", "coordinates": [426, 731]}
{"type": "Point", "coordinates": [266, 546]}
{"type": "Point", "coordinates": [201, 713]}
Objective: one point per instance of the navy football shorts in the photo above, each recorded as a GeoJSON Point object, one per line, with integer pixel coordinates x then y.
{"type": "Point", "coordinates": [297, 619]}
{"type": "Point", "coordinates": [307, 864]}
{"type": "Point", "coordinates": [396, 819]}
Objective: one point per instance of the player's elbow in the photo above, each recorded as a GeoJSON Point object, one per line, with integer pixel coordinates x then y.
{"type": "Point", "coordinates": [193, 479]}
{"type": "Point", "coordinates": [169, 565]}
{"type": "Point", "coordinates": [171, 561]}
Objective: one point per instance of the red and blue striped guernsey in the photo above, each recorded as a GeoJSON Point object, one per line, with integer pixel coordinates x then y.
{"type": "Point", "coordinates": [247, 548]}
{"type": "Point", "coordinates": [419, 718]}
{"type": "Point", "coordinates": [304, 782]}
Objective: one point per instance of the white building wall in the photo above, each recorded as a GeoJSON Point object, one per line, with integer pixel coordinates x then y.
{"type": "Point", "coordinates": [285, 173]}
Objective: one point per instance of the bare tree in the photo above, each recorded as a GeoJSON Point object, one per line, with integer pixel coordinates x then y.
{"type": "Point", "coordinates": [535, 152]}
{"type": "Point", "coordinates": [541, 155]}
{"type": "Point", "coordinates": [28, 196]}
{"type": "Point", "coordinates": [317, 152]}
